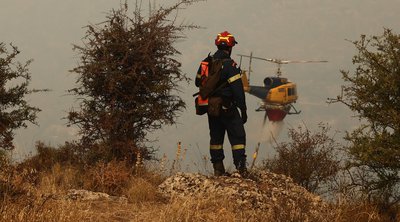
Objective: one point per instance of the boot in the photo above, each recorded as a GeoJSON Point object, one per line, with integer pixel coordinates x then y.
{"type": "Point", "coordinates": [219, 169]}
{"type": "Point", "coordinates": [241, 168]}
{"type": "Point", "coordinates": [244, 173]}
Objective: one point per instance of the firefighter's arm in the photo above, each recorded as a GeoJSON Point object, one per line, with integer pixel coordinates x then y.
{"type": "Point", "coordinates": [238, 92]}
{"type": "Point", "coordinates": [235, 83]}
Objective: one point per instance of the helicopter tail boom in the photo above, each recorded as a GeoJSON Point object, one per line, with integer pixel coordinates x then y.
{"type": "Point", "coordinates": [245, 82]}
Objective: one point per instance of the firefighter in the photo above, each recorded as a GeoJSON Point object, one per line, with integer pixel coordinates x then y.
{"type": "Point", "coordinates": [233, 100]}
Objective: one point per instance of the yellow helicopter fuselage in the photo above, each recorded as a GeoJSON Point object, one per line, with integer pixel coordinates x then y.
{"type": "Point", "coordinates": [279, 90]}
{"type": "Point", "coordinates": [283, 94]}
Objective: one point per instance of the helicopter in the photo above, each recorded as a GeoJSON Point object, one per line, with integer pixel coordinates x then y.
{"type": "Point", "coordinates": [278, 94]}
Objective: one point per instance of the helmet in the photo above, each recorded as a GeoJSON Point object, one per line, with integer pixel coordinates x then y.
{"type": "Point", "coordinates": [225, 39]}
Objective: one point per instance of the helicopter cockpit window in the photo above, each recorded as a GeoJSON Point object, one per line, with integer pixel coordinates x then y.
{"type": "Point", "coordinates": [290, 91]}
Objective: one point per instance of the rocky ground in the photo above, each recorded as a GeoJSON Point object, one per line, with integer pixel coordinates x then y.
{"type": "Point", "coordinates": [265, 191]}
{"type": "Point", "coordinates": [194, 197]}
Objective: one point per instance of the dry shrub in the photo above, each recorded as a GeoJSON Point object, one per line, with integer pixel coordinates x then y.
{"type": "Point", "coordinates": [15, 182]}
{"type": "Point", "coordinates": [48, 156]}
{"type": "Point", "coordinates": [311, 159]}
{"type": "Point", "coordinates": [359, 211]}
{"type": "Point", "coordinates": [60, 178]}
{"type": "Point", "coordinates": [3, 158]}
{"type": "Point", "coordinates": [112, 177]}
{"type": "Point", "coordinates": [153, 176]}
{"type": "Point", "coordinates": [23, 181]}
{"type": "Point", "coordinates": [141, 191]}
{"type": "Point", "coordinates": [143, 186]}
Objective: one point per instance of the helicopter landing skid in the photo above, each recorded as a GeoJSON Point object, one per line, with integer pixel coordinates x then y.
{"type": "Point", "coordinates": [286, 108]}
{"type": "Point", "coordinates": [259, 109]}
{"type": "Point", "coordinates": [295, 110]}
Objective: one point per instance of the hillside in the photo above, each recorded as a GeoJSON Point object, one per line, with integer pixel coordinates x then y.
{"type": "Point", "coordinates": [180, 197]}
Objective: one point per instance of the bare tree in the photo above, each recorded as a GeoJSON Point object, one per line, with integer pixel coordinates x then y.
{"type": "Point", "coordinates": [15, 112]}
{"type": "Point", "coordinates": [128, 79]}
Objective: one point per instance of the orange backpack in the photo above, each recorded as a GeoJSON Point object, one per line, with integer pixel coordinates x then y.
{"type": "Point", "coordinates": [210, 82]}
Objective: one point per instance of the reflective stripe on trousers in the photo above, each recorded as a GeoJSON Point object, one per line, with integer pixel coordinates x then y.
{"type": "Point", "coordinates": [233, 125]}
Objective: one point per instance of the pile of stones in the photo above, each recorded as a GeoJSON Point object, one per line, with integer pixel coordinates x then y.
{"type": "Point", "coordinates": [264, 191]}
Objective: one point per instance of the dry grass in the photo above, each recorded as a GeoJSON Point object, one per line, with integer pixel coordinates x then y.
{"type": "Point", "coordinates": [360, 211]}
{"type": "Point", "coordinates": [29, 195]}
{"type": "Point", "coordinates": [141, 191]}
{"type": "Point", "coordinates": [188, 209]}
{"type": "Point", "coordinates": [111, 177]}
{"type": "Point", "coordinates": [58, 179]}
{"type": "Point", "coordinates": [42, 210]}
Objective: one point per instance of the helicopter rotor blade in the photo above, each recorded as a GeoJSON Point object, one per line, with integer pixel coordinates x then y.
{"type": "Point", "coordinates": [265, 59]}
{"type": "Point", "coordinates": [255, 57]}
{"type": "Point", "coordinates": [278, 61]}
{"type": "Point", "coordinates": [301, 61]}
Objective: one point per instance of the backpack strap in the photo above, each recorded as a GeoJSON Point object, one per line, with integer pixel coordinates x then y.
{"type": "Point", "coordinates": [210, 60]}
{"type": "Point", "coordinates": [221, 85]}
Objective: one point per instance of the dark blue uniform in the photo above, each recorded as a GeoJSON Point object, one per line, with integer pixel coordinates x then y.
{"type": "Point", "coordinates": [230, 121]}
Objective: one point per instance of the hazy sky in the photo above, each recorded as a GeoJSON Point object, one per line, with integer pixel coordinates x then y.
{"type": "Point", "coordinates": [45, 30]}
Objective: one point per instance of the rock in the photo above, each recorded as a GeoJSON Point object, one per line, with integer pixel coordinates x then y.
{"type": "Point", "coordinates": [263, 192]}
{"type": "Point", "coordinates": [87, 195]}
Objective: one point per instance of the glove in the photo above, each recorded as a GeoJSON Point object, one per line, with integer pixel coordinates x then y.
{"type": "Point", "coordinates": [244, 115]}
